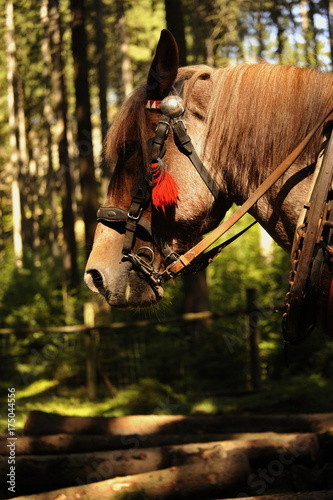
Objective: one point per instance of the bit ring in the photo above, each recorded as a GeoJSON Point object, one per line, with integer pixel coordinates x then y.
{"type": "Point", "coordinates": [150, 258]}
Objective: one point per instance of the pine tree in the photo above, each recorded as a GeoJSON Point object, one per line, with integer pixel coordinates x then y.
{"type": "Point", "coordinates": [83, 119]}
{"type": "Point", "coordinates": [61, 111]}
{"type": "Point", "coordinates": [14, 133]}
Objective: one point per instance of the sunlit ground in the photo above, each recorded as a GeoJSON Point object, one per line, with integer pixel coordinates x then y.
{"type": "Point", "coordinates": [296, 395]}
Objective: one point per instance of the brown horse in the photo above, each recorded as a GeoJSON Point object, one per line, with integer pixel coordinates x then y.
{"type": "Point", "coordinates": [242, 121]}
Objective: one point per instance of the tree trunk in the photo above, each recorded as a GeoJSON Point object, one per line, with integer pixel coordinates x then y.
{"type": "Point", "coordinates": [310, 33]}
{"type": "Point", "coordinates": [83, 118]}
{"type": "Point", "coordinates": [313, 34]}
{"type": "Point", "coordinates": [260, 34]}
{"type": "Point", "coordinates": [305, 29]}
{"type": "Point", "coordinates": [60, 444]}
{"type": "Point", "coordinates": [48, 117]}
{"type": "Point", "coordinates": [125, 62]}
{"type": "Point", "coordinates": [14, 134]}
{"type": "Point", "coordinates": [71, 469]}
{"type": "Point", "coordinates": [276, 14]}
{"type": "Point", "coordinates": [196, 299]}
{"type": "Point", "coordinates": [198, 478]}
{"type": "Point", "coordinates": [24, 180]}
{"type": "Point", "coordinates": [101, 66]}
{"type": "Point", "coordinates": [254, 338]}
{"type": "Point", "coordinates": [35, 177]}
{"type": "Point", "coordinates": [102, 90]}
{"type": "Point", "coordinates": [306, 495]}
{"type": "Point", "coordinates": [39, 423]}
{"type": "Point", "coordinates": [330, 26]}
{"type": "Point", "coordinates": [66, 191]}
{"type": "Point", "coordinates": [175, 23]}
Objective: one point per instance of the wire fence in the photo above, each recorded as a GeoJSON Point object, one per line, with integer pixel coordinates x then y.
{"type": "Point", "coordinates": [191, 352]}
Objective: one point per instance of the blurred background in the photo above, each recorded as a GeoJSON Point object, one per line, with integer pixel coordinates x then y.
{"type": "Point", "coordinates": [66, 67]}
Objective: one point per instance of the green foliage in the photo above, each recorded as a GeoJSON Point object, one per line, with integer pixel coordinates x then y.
{"type": "Point", "coordinates": [253, 31]}
{"type": "Point", "coordinates": [26, 298]}
{"type": "Point", "coordinates": [242, 265]}
{"type": "Point", "coordinates": [34, 296]}
{"type": "Point", "coordinates": [142, 40]}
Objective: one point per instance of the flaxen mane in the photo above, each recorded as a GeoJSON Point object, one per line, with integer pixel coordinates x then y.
{"type": "Point", "coordinates": [256, 114]}
{"type": "Point", "coordinates": [129, 125]}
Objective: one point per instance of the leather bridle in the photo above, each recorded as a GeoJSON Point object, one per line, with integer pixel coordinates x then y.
{"type": "Point", "coordinates": [132, 222]}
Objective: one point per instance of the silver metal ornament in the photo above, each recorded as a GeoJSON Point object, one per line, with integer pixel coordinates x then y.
{"type": "Point", "coordinates": [172, 106]}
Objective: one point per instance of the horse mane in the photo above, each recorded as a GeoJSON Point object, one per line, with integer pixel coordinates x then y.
{"type": "Point", "coordinates": [129, 125]}
{"type": "Point", "coordinates": [258, 113]}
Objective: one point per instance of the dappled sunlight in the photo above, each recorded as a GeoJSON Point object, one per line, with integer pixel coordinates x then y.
{"type": "Point", "coordinates": [36, 389]}
{"type": "Point", "coordinates": [208, 406]}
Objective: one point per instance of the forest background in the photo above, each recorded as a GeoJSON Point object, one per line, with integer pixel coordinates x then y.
{"type": "Point", "coordinates": [65, 69]}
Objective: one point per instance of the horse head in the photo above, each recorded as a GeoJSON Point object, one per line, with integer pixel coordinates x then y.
{"type": "Point", "coordinates": [157, 204]}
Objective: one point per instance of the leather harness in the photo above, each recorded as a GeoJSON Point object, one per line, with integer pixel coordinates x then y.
{"type": "Point", "coordinates": [309, 300]}
{"type": "Point", "coordinates": [132, 223]}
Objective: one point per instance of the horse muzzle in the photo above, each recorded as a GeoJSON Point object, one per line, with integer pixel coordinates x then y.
{"type": "Point", "coordinates": [115, 277]}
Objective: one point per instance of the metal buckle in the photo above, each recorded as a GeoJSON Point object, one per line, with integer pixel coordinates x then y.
{"type": "Point", "coordinates": [135, 217]}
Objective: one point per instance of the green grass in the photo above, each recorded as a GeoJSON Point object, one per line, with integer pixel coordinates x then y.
{"type": "Point", "coordinates": [298, 394]}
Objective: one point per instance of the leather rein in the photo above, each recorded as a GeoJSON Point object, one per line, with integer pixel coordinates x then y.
{"type": "Point", "coordinates": [133, 224]}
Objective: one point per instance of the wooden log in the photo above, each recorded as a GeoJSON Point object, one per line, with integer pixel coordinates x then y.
{"type": "Point", "coordinates": [68, 470]}
{"type": "Point", "coordinates": [203, 477]}
{"type": "Point", "coordinates": [307, 495]}
{"type": "Point", "coordinates": [57, 444]}
{"type": "Point", "coordinates": [287, 447]}
{"type": "Point", "coordinates": [39, 423]}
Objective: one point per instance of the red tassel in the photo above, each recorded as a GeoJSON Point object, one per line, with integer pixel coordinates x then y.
{"type": "Point", "coordinates": [165, 190]}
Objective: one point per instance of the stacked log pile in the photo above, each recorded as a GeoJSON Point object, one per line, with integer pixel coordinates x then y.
{"type": "Point", "coordinates": [152, 457]}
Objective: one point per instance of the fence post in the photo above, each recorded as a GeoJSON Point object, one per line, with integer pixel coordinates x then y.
{"type": "Point", "coordinates": [91, 351]}
{"type": "Point", "coordinates": [254, 338]}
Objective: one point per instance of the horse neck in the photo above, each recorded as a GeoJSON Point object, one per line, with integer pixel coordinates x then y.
{"type": "Point", "coordinates": [278, 212]}
{"type": "Point", "coordinates": [264, 113]}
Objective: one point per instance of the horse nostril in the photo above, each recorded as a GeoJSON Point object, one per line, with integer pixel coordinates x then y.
{"type": "Point", "coordinates": [94, 280]}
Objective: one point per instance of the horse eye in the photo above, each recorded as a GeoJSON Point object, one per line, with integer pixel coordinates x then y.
{"type": "Point", "coordinates": [197, 114]}
{"type": "Point", "coordinates": [127, 150]}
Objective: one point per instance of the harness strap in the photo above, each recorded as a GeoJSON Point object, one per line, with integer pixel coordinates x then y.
{"type": "Point", "coordinates": [133, 216]}
{"type": "Point", "coordinates": [118, 215]}
{"type": "Point", "coordinates": [186, 146]}
{"type": "Point", "coordinates": [157, 143]}
{"type": "Point", "coordinates": [185, 260]}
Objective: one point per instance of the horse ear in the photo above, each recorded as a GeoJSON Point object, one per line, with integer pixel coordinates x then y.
{"type": "Point", "coordinates": [163, 70]}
